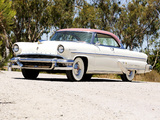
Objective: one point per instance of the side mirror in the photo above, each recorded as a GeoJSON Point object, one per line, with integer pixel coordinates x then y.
{"type": "Point", "coordinates": [97, 43]}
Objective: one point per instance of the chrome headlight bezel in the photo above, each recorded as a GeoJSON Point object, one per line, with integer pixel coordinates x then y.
{"type": "Point", "coordinates": [15, 48]}
{"type": "Point", "coordinates": [60, 48]}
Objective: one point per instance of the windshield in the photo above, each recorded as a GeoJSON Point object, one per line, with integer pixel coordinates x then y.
{"type": "Point", "coordinates": [72, 36]}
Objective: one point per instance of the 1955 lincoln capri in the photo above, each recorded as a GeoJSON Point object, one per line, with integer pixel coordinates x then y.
{"type": "Point", "coordinates": [80, 53]}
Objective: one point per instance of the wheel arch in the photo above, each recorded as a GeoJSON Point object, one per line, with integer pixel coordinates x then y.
{"type": "Point", "coordinates": [85, 60]}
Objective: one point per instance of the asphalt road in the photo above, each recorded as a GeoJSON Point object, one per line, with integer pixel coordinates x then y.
{"type": "Point", "coordinates": [53, 97]}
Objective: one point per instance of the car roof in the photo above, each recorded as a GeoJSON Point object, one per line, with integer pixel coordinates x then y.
{"type": "Point", "coordinates": [92, 30]}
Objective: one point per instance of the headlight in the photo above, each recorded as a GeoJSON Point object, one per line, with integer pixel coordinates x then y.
{"type": "Point", "coordinates": [60, 49]}
{"type": "Point", "coordinates": [15, 48]}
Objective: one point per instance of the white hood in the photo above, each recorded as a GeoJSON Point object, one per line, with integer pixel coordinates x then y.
{"type": "Point", "coordinates": [45, 47]}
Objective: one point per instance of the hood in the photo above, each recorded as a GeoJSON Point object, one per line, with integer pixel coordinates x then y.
{"type": "Point", "coordinates": [43, 47]}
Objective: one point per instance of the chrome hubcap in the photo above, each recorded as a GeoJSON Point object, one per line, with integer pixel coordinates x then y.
{"type": "Point", "coordinates": [77, 69]}
{"type": "Point", "coordinates": [130, 74]}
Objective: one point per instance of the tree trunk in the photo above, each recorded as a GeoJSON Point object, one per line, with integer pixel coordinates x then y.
{"type": "Point", "coordinates": [156, 59]}
{"type": "Point", "coordinates": [7, 52]}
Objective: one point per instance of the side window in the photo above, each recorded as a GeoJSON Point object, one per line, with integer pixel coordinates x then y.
{"type": "Point", "coordinates": [106, 40]}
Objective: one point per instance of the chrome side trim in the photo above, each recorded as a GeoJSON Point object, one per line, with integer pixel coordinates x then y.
{"type": "Point", "coordinates": [103, 72]}
{"type": "Point", "coordinates": [135, 69]}
{"type": "Point", "coordinates": [110, 55]}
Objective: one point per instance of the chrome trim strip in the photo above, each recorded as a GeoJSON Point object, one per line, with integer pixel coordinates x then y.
{"type": "Point", "coordinates": [37, 68]}
{"type": "Point", "coordinates": [109, 55]}
{"type": "Point", "coordinates": [104, 72]}
{"type": "Point", "coordinates": [52, 55]}
{"type": "Point", "coordinates": [64, 61]}
{"type": "Point", "coordinates": [36, 60]}
{"type": "Point", "coordinates": [134, 69]}
{"type": "Point", "coordinates": [63, 68]}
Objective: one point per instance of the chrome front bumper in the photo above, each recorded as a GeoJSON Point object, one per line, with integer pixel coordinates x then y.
{"type": "Point", "coordinates": [42, 63]}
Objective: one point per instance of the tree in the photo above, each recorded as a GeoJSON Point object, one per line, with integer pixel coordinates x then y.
{"type": "Point", "coordinates": [153, 41]}
{"type": "Point", "coordinates": [6, 23]}
{"type": "Point", "coordinates": [62, 13]}
{"type": "Point", "coordinates": [35, 17]}
{"type": "Point", "coordinates": [86, 16]}
{"type": "Point", "coordinates": [99, 14]}
{"type": "Point", "coordinates": [153, 52]}
{"type": "Point", "coordinates": [31, 20]}
{"type": "Point", "coordinates": [137, 20]}
{"type": "Point", "coordinates": [108, 12]}
{"type": "Point", "coordinates": [132, 22]}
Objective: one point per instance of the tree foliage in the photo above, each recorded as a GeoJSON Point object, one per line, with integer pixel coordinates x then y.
{"type": "Point", "coordinates": [86, 16]}
{"type": "Point", "coordinates": [131, 22]}
{"type": "Point", "coordinates": [6, 23]}
{"type": "Point", "coordinates": [31, 19]}
{"type": "Point", "coordinates": [62, 13]}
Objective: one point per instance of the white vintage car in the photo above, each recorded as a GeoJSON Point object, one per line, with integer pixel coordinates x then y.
{"type": "Point", "coordinates": [80, 53]}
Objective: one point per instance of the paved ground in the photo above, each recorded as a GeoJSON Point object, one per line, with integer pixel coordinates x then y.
{"type": "Point", "coordinates": [52, 97]}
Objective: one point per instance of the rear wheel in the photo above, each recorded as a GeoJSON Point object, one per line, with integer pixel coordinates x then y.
{"type": "Point", "coordinates": [129, 77]}
{"type": "Point", "coordinates": [30, 74]}
{"type": "Point", "coordinates": [78, 72]}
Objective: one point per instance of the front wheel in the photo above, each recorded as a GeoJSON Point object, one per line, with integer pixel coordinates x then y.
{"type": "Point", "coordinates": [78, 71]}
{"type": "Point", "coordinates": [129, 77]}
{"type": "Point", "coordinates": [30, 74]}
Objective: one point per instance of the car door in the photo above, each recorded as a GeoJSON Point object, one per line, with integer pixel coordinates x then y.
{"type": "Point", "coordinates": [105, 58]}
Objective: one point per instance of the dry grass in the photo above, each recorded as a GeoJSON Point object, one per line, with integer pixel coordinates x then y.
{"type": "Point", "coordinates": [110, 76]}
{"type": "Point", "coordinates": [153, 76]}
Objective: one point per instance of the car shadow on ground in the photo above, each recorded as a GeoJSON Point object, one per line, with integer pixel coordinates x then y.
{"type": "Point", "coordinates": [66, 80]}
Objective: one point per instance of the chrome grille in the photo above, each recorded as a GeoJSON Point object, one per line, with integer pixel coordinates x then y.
{"type": "Point", "coordinates": [37, 65]}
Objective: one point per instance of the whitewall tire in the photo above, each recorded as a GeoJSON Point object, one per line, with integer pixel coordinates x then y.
{"type": "Point", "coordinates": [129, 77]}
{"type": "Point", "coordinates": [78, 71]}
